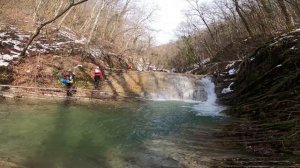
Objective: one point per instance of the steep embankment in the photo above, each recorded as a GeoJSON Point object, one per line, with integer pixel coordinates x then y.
{"type": "Point", "coordinates": [265, 98]}
{"type": "Point", "coordinates": [54, 51]}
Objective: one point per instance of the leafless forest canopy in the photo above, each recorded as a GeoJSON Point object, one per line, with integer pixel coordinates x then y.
{"type": "Point", "coordinates": [124, 24]}
{"type": "Point", "coordinates": [212, 27]}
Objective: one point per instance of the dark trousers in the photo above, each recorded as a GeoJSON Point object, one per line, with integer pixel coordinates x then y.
{"type": "Point", "coordinates": [97, 81]}
{"type": "Point", "coordinates": [70, 88]}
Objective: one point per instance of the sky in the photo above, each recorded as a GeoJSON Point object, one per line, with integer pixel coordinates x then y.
{"type": "Point", "coordinates": [167, 18]}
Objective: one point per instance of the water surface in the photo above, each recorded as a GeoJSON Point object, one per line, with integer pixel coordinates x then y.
{"type": "Point", "coordinates": [116, 134]}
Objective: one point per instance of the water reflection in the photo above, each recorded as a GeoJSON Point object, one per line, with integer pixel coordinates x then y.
{"type": "Point", "coordinates": [119, 134]}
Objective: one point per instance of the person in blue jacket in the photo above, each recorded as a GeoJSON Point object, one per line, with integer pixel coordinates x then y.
{"type": "Point", "coordinates": [68, 80]}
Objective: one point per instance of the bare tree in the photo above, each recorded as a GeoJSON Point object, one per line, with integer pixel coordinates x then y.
{"type": "Point", "coordinates": [244, 20]}
{"type": "Point", "coordinates": [94, 25]}
{"type": "Point", "coordinates": [200, 10]}
{"type": "Point", "coordinates": [72, 3]}
{"type": "Point", "coordinates": [288, 18]}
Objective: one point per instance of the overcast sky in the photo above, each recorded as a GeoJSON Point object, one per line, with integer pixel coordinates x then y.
{"type": "Point", "coordinates": [167, 18]}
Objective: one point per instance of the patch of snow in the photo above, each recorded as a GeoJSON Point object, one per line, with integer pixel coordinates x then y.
{"type": "Point", "coordinates": [251, 59]}
{"type": "Point", "coordinates": [284, 37]}
{"type": "Point", "coordinates": [232, 71]}
{"type": "Point", "coordinates": [280, 65]}
{"type": "Point", "coordinates": [15, 53]}
{"type": "Point", "coordinates": [195, 66]}
{"type": "Point", "coordinates": [3, 63]}
{"type": "Point", "coordinates": [6, 57]}
{"type": "Point", "coordinates": [230, 65]}
{"type": "Point", "coordinates": [205, 60]}
{"type": "Point", "coordinates": [77, 66]}
{"type": "Point", "coordinates": [68, 35]}
{"type": "Point", "coordinates": [62, 43]}
{"type": "Point", "coordinates": [16, 47]}
{"type": "Point", "coordinates": [295, 31]}
{"type": "Point", "coordinates": [23, 37]}
{"type": "Point", "coordinates": [273, 44]}
{"type": "Point", "coordinates": [11, 41]}
{"type": "Point", "coordinates": [3, 34]}
{"type": "Point", "coordinates": [293, 48]}
{"type": "Point", "coordinates": [228, 89]}
{"type": "Point", "coordinates": [81, 41]}
{"type": "Point", "coordinates": [95, 52]}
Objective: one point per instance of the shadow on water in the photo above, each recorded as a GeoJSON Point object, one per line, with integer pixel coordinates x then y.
{"type": "Point", "coordinates": [112, 135]}
{"type": "Point", "coordinates": [56, 150]}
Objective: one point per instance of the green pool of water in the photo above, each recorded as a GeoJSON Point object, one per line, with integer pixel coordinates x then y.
{"type": "Point", "coordinates": [112, 134]}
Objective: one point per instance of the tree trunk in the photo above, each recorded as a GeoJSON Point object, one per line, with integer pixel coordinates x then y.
{"type": "Point", "coordinates": [246, 24]}
{"type": "Point", "coordinates": [63, 19]}
{"type": "Point", "coordinates": [288, 17]}
{"type": "Point", "coordinates": [87, 23]}
{"type": "Point", "coordinates": [96, 22]}
{"type": "Point", "coordinates": [36, 10]}
{"type": "Point", "coordinates": [208, 28]}
{"type": "Point", "coordinates": [267, 8]}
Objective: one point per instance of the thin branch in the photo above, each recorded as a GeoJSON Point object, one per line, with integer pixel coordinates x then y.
{"type": "Point", "coordinates": [39, 28]}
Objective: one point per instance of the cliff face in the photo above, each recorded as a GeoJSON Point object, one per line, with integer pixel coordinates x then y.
{"type": "Point", "coordinates": [265, 95]}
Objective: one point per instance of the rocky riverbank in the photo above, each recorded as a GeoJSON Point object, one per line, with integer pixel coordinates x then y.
{"type": "Point", "coordinates": [264, 95]}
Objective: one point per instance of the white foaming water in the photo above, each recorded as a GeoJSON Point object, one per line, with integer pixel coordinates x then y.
{"type": "Point", "coordinates": [201, 92]}
{"type": "Point", "coordinates": [177, 88]}
{"type": "Point", "coordinates": [208, 107]}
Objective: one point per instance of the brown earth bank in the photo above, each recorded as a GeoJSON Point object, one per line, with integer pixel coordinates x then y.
{"type": "Point", "coordinates": [62, 46]}
{"type": "Point", "coordinates": [263, 91]}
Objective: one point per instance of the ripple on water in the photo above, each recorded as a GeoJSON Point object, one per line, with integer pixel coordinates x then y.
{"type": "Point", "coordinates": [116, 134]}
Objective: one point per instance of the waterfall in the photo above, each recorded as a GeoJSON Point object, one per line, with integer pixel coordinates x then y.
{"type": "Point", "coordinates": [178, 88]}
{"type": "Point", "coordinates": [184, 88]}
{"type": "Point", "coordinates": [208, 107]}
{"type": "Point", "coordinates": [209, 88]}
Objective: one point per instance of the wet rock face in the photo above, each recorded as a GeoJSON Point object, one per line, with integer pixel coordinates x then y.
{"type": "Point", "coordinates": [157, 85]}
{"type": "Point", "coordinates": [266, 96]}
{"type": "Point", "coordinates": [272, 68]}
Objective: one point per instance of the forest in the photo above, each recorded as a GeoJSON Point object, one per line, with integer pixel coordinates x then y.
{"type": "Point", "coordinates": [225, 30]}
{"type": "Point", "coordinates": [117, 24]}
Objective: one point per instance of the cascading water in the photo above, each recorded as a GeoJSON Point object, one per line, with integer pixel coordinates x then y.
{"type": "Point", "coordinates": [208, 107]}
{"type": "Point", "coordinates": [183, 88]}
{"type": "Point", "coordinates": [178, 88]}
{"type": "Point", "coordinates": [209, 88]}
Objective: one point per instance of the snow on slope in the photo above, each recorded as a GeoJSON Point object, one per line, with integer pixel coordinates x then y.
{"type": "Point", "coordinates": [13, 40]}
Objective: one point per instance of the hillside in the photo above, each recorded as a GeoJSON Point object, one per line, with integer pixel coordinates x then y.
{"type": "Point", "coordinates": [264, 94]}
{"type": "Point", "coordinates": [53, 52]}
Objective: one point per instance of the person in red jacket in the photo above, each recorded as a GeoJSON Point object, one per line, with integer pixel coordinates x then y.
{"type": "Point", "coordinates": [98, 76]}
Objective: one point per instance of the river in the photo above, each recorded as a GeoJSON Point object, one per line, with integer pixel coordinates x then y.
{"type": "Point", "coordinates": [127, 133]}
